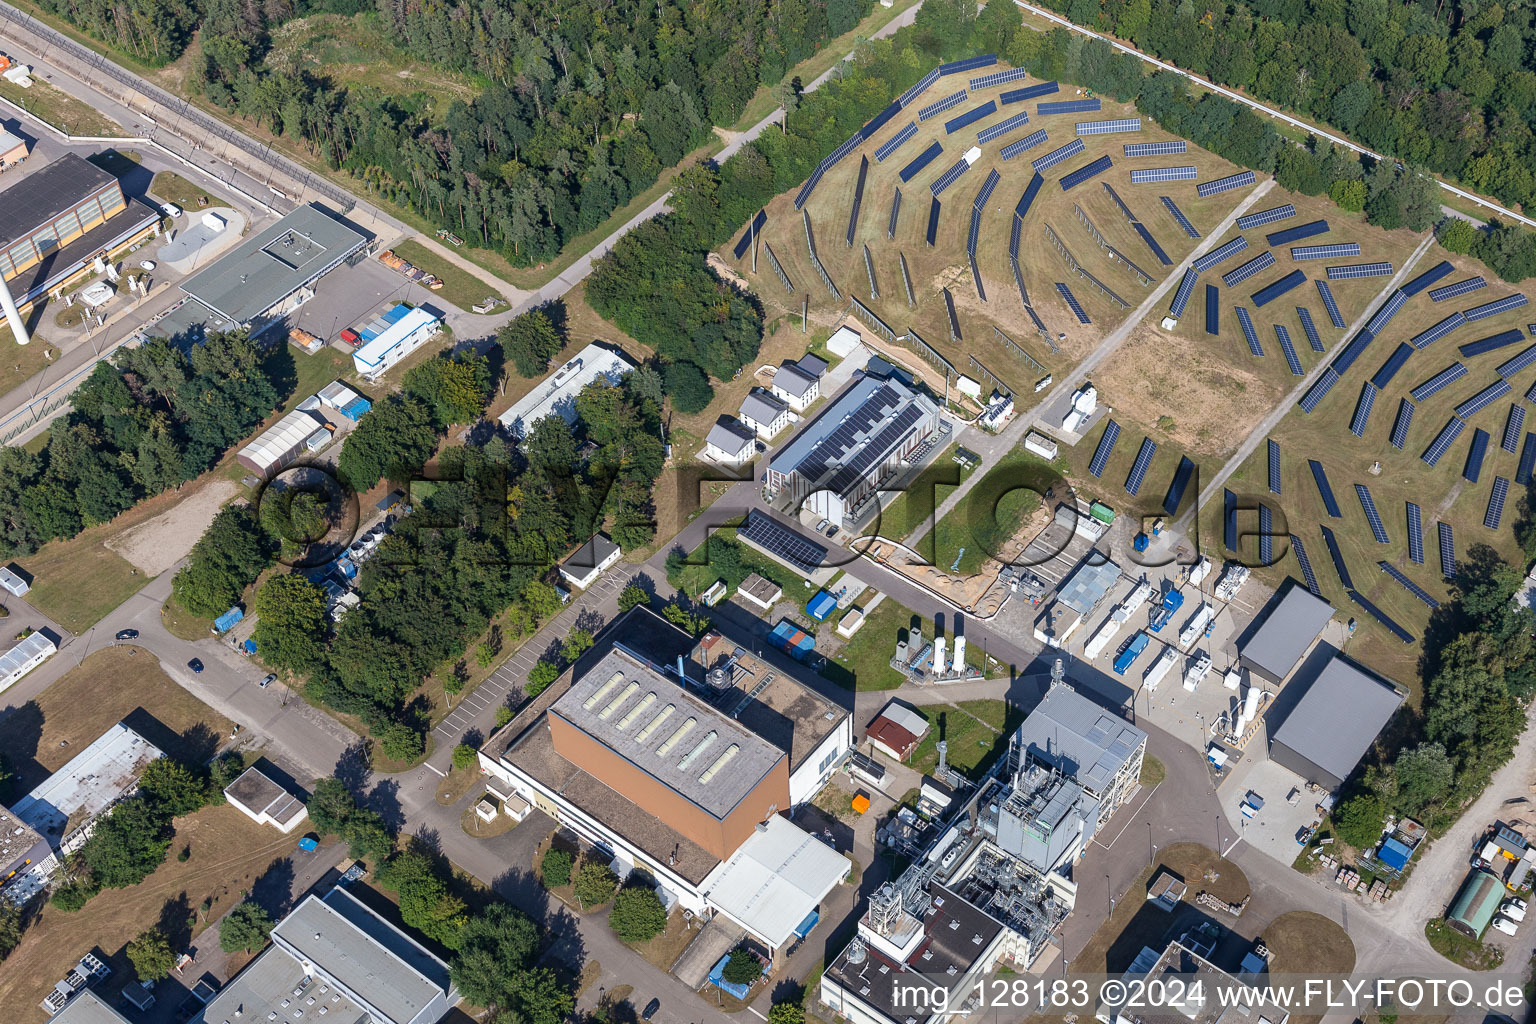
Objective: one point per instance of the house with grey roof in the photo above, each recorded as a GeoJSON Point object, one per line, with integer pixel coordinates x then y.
{"type": "Point", "coordinates": [1087, 743]}
{"type": "Point", "coordinates": [764, 412]}
{"type": "Point", "coordinates": [730, 442]}
{"type": "Point", "coordinates": [587, 563]}
{"type": "Point", "coordinates": [797, 386]}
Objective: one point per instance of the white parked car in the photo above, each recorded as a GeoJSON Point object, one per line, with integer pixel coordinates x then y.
{"type": "Point", "coordinates": [170, 209]}
{"type": "Point", "coordinates": [1505, 925]}
{"type": "Point", "coordinates": [1514, 910]}
{"type": "Point", "coordinates": [147, 264]}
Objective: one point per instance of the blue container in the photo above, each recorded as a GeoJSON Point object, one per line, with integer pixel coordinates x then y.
{"type": "Point", "coordinates": [223, 623]}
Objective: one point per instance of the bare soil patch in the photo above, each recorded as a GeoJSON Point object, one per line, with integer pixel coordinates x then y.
{"type": "Point", "coordinates": [153, 547]}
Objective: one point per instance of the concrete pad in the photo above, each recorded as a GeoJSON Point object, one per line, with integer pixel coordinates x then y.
{"type": "Point", "coordinates": [194, 243]}
{"type": "Point", "coordinates": [1273, 830]}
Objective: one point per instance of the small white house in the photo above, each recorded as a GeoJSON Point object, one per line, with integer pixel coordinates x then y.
{"type": "Point", "coordinates": [24, 657]}
{"type": "Point", "coordinates": [588, 562]}
{"type": "Point", "coordinates": [13, 583]}
{"type": "Point", "coordinates": [765, 413]}
{"type": "Point", "coordinates": [760, 591]}
{"type": "Point", "coordinates": [730, 442]}
{"type": "Point", "coordinates": [795, 386]}
{"type": "Point", "coordinates": [262, 799]}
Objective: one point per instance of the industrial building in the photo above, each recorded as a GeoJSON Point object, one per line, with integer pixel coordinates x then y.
{"type": "Point", "coordinates": [760, 591]}
{"type": "Point", "coordinates": [264, 800]}
{"type": "Point", "coordinates": [87, 1008]}
{"type": "Point", "coordinates": [556, 395]}
{"type": "Point", "coordinates": [1334, 711]}
{"type": "Point", "coordinates": [344, 400]}
{"type": "Point", "coordinates": [1193, 999]}
{"type": "Point", "coordinates": [730, 443]}
{"type": "Point", "coordinates": [403, 336]}
{"type": "Point", "coordinates": [1476, 903]}
{"type": "Point", "coordinates": [764, 413]}
{"type": "Point", "coordinates": [835, 466]}
{"type": "Point", "coordinates": [1275, 644]}
{"type": "Point", "coordinates": [589, 561]}
{"type": "Point", "coordinates": [281, 444]}
{"type": "Point", "coordinates": [1089, 745]}
{"type": "Point", "coordinates": [30, 652]}
{"type": "Point", "coordinates": [676, 758]}
{"type": "Point", "coordinates": [13, 150]}
{"type": "Point", "coordinates": [334, 958]}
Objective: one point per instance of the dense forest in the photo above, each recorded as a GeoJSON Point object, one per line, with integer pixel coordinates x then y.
{"type": "Point", "coordinates": [583, 103]}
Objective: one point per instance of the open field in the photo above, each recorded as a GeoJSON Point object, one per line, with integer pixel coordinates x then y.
{"type": "Point", "coordinates": [977, 732]}
{"type": "Point", "coordinates": [865, 662]}
{"type": "Point", "coordinates": [1441, 492]}
{"type": "Point", "coordinates": [77, 581]}
{"type": "Point", "coordinates": [60, 109]}
{"type": "Point", "coordinates": [991, 514]}
{"type": "Point", "coordinates": [460, 287]}
{"type": "Point", "coordinates": [171, 187]}
{"type": "Point", "coordinates": [20, 362]}
{"type": "Point", "coordinates": [357, 50]}
{"type": "Point", "coordinates": [121, 683]}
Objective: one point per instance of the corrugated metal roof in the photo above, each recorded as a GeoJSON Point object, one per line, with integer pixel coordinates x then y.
{"type": "Point", "coordinates": [282, 438]}
{"type": "Point", "coordinates": [24, 652]}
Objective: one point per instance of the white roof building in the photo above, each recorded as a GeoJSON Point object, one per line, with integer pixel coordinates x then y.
{"type": "Point", "coordinates": [280, 444]}
{"type": "Point", "coordinates": [260, 798]}
{"type": "Point", "coordinates": [556, 395]}
{"type": "Point", "coordinates": [399, 340]}
{"type": "Point", "coordinates": [775, 880]}
{"type": "Point", "coordinates": [13, 583]}
{"type": "Point", "coordinates": [24, 657]}
{"type": "Point", "coordinates": [85, 788]}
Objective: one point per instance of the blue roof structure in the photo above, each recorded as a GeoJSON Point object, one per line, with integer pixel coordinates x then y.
{"type": "Point", "coordinates": [1394, 854]}
{"type": "Point", "coordinates": [820, 606]}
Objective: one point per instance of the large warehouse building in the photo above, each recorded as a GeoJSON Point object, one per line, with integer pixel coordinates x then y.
{"type": "Point", "coordinates": [57, 220]}
{"type": "Point", "coordinates": [685, 778]}
{"type": "Point", "coordinates": [1276, 643]}
{"type": "Point", "coordinates": [836, 464]}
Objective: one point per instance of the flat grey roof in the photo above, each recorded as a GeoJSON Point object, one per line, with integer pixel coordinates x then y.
{"type": "Point", "coordinates": [1087, 585]}
{"type": "Point", "coordinates": [1291, 622]}
{"type": "Point", "coordinates": [257, 791]}
{"type": "Point", "coordinates": [87, 1008]}
{"type": "Point", "coordinates": [623, 703]}
{"type": "Point", "coordinates": [1070, 732]}
{"type": "Point", "coordinates": [273, 263]}
{"type": "Point", "coordinates": [1339, 716]}
{"type": "Point", "coordinates": [47, 193]}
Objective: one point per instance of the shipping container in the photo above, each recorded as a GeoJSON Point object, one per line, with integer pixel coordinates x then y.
{"type": "Point", "coordinates": [1126, 658]}
{"type": "Point", "coordinates": [1160, 668]}
{"type": "Point", "coordinates": [223, 623]}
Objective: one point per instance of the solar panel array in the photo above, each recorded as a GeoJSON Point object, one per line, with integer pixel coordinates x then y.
{"type": "Point", "coordinates": [984, 194]}
{"type": "Point", "coordinates": [970, 117]}
{"type": "Point", "coordinates": [1451, 291]}
{"type": "Point", "coordinates": [1319, 389]}
{"type": "Point", "coordinates": [1484, 398]}
{"type": "Point", "coordinates": [1181, 297]}
{"type": "Point", "coordinates": [1288, 350]}
{"type": "Point", "coordinates": [972, 235]}
{"type": "Point", "coordinates": [959, 67]}
{"type": "Point", "coordinates": [1056, 156]}
{"type": "Point", "coordinates": [1156, 148]}
{"type": "Point", "coordinates": [1491, 342]}
{"type": "Point", "coordinates": [1138, 472]}
{"type": "Point", "coordinates": [1309, 328]}
{"type": "Point", "coordinates": [1178, 485]}
{"type": "Point", "coordinates": [1266, 542]}
{"type": "Point", "coordinates": [1415, 534]}
{"type": "Point", "coordinates": [1451, 373]}
{"type": "Point", "coordinates": [1254, 220]}
{"type": "Point", "coordinates": [1324, 252]}
{"type": "Point", "coordinates": [1029, 92]}
{"type": "Point", "coordinates": [1222, 252]}
{"type": "Point", "coordinates": [1513, 424]}
{"type": "Point", "coordinates": [918, 88]}
{"type": "Point", "coordinates": [1211, 188]}
{"type": "Point", "coordinates": [1388, 310]}
{"type": "Point", "coordinates": [920, 161]}
{"type": "Point", "coordinates": [1229, 519]}
{"type": "Point", "coordinates": [890, 227]}
{"type": "Point", "coordinates": [1408, 584]}
{"type": "Point", "coordinates": [1381, 617]}
{"type": "Point", "coordinates": [1212, 310]}
{"type": "Point", "coordinates": [1447, 551]}
{"type": "Point", "coordinates": [1246, 323]}
{"type": "Point", "coordinates": [1513, 365]}
{"type": "Point", "coordinates": [1272, 291]}
{"type": "Point", "coordinates": [1368, 505]}
{"type": "Point", "coordinates": [1002, 127]}
{"type": "Point", "coordinates": [1355, 270]}
{"type": "Point", "coordinates": [1326, 294]}
{"type": "Point", "coordinates": [1178, 215]}
{"type": "Point", "coordinates": [1157, 250]}
{"type": "Point", "coordinates": [1496, 503]}
{"type": "Point", "coordinates": [1438, 331]}
{"type": "Point", "coordinates": [1028, 142]}
{"type": "Point", "coordinates": [1443, 441]}
{"type": "Point", "coordinates": [938, 107]}
{"type": "Point", "coordinates": [1306, 566]}
{"type": "Point", "coordinates": [998, 78]}
{"type": "Point", "coordinates": [754, 228]}
{"type": "Point", "coordinates": [1026, 201]}
{"type": "Point", "coordinates": [1400, 426]}
{"type": "Point", "coordinates": [1106, 447]}
{"type": "Point", "coordinates": [1147, 175]}
{"type": "Point", "coordinates": [895, 141]}
{"type": "Point", "coordinates": [1125, 124]}
{"type": "Point", "coordinates": [1338, 559]}
{"type": "Point", "coordinates": [1072, 303]}
{"type": "Point", "coordinates": [858, 199]}
{"type": "Point", "coordinates": [1428, 277]}
{"type": "Point", "coordinates": [1273, 451]}
{"type": "Point", "coordinates": [1394, 363]}
{"type": "Point", "coordinates": [1263, 261]}
{"type": "Point", "coordinates": [1297, 233]}
{"type": "Point", "coordinates": [1527, 461]}
{"type": "Point", "coordinates": [949, 177]}
{"type": "Point", "coordinates": [771, 535]}
{"type": "Point", "coordinates": [1082, 174]}
{"type": "Point", "coordinates": [1473, 467]}
{"type": "Point", "coordinates": [1068, 107]}
{"type": "Point", "coordinates": [1496, 307]}
{"type": "Point", "coordinates": [1363, 407]}
{"type": "Point", "coordinates": [1353, 351]}
{"type": "Point", "coordinates": [933, 221]}
{"type": "Point", "coordinates": [1324, 489]}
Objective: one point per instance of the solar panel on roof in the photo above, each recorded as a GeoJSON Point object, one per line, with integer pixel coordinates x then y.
{"type": "Point", "coordinates": [1262, 261]}
{"type": "Point", "coordinates": [1156, 148]}
{"type": "Point", "coordinates": [1363, 407]}
{"type": "Point", "coordinates": [1415, 534]}
{"type": "Point", "coordinates": [1002, 128]}
{"type": "Point", "coordinates": [1273, 451]}
{"type": "Point", "coordinates": [1082, 174]}
{"type": "Point", "coordinates": [1484, 398]}
{"type": "Point", "coordinates": [949, 177]}
{"type": "Point", "coordinates": [771, 535]}
{"type": "Point", "coordinates": [1355, 270]}
{"type": "Point", "coordinates": [1450, 374]}
{"type": "Point", "coordinates": [1408, 584]}
{"type": "Point", "coordinates": [1402, 423]}
{"type": "Point", "coordinates": [1394, 363]}
{"type": "Point", "coordinates": [922, 160]}
{"type": "Point", "coordinates": [1490, 343]}
{"type": "Point", "coordinates": [1147, 175]}
{"type": "Point", "coordinates": [1527, 461]}
{"type": "Point", "coordinates": [1306, 566]}
{"type": "Point", "coordinates": [1272, 291]}
{"type": "Point", "coordinates": [998, 78]}
{"type": "Point", "coordinates": [1181, 297]}
{"type": "Point", "coordinates": [1429, 277]}
{"type": "Point", "coordinates": [970, 117]}
{"type": "Point", "coordinates": [1211, 188]}
{"type": "Point", "coordinates": [895, 142]}
{"type": "Point", "coordinates": [1324, 489]}
{"type": "Point", "coordinates": [1176, 487]}
{"type": "Point", "coordinates": [1447, 551]}
{"type": "Point", "coordinates": [1288, 350]}
{"type": "Point", "coordinates": [1297, 233]}
{"type": "Point", "coordinates": [1368, 506]}
{"type": "Point", "coordinates": [1338, 559]}
{"type": "Point", "coordinates": [1496, 503]}
{"type": "Point", "coordinates": [1223, 252]}
{"type": "Point", "coordinates": [1254, 220]}
{"type": "Point", "coordinates": [1266, 541]}
{"type": "Point", "coordinates": [1324, 252]}
{"type": "Point", "coordinates": [1319, 389]}
{"type": "Point", "coordinates": [1106, 447]}
{"type": "Point", "coordinates": [1157, 250]}
{"type": "Point", "coordinates": [1124, 124]}
{"type": "Point", "coordinates": [1229, 519]}
{"type": "Point", "coordinates": [1513, 424]}
{"type": "Point", "coordinates": [1443, 441]}
{"type": "Point", "coordinates": [1178, 215]}
{"type": "Point", "coordinates": [1440, 330]}
{"type": "Point", "coordinates": [1473, 467]}
{"type": "Point", "coordinates": [1028, 142]}
{"type": "Point", "coordinates": [1029, 92]}
{"type": "Point", "coordinates": [1139, 468]}
{"type": "Point", "coordinates": [1068, 107]}
{"type": "Point", "coordinates": [1513, 365]}
{"type": "Point", "coordinates": [938, 107]}
{"type": "Point", "coordinates": [1212, 310]}
{"type": "Point", "coordinates": [1326, 294]}
{"type": "Point", "coordinates": [1451, 291]}
{"type": "Point", "coordinates": [1072, 303]}
{"type": "Point", "coordinates": [1246, 323]}
{"type": "Point", "coordinates": [1495, 307]}
{"type": "Point", "coordinates": [1056, 156]}
{"type": "Point", "coordinates": [1313, 338]}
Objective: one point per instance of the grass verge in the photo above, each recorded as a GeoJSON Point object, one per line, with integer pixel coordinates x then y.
{"type": "Point", "coordinates": [60, 109]}
{"type": "Point", "coordinates": [171, 187]}
{"type": "Point", "coordinates": [460, 287]}
{"type": "Point", "coordinates": [1458, 948]}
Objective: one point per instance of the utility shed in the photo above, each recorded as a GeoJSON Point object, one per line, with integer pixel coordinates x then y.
{"type": "Point", "coordinates": [1292, 622]}
{"type": "Point", "coordinates": [280, 444]}
{"type": "Point", "coordinates": [1330, 728]}
{"type": "Point", "coordinates": [1476, 903]}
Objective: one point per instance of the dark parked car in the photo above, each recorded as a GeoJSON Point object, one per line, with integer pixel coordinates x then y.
{"type": "Point", "coordinates": [650, 1009]}
{"type": "Point", "coordinates": [127, 634]}
{"type": "Point", "coordinates": [196, 665]}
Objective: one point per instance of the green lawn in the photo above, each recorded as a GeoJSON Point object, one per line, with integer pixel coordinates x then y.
{"type": "Point", "coordinates": [61, 110]}
{"type": "Point", "coordinates": [912, 507]}
{"type": "Point", "coordinates": [990, 514]}
{"type": "Point", "coordinates": [77, 581]}
{"type": "Point", "coordinates": [170, 187]}
{"type": "Point", "coordinates": [974, 743]}
{"type": "Point", "coordinates": [865, 664]}
{"type": "Point", "coordinates": [460, 287]}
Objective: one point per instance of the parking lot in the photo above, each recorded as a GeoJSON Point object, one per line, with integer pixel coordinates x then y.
{"type": "Point", "coordinates": [353, 295]}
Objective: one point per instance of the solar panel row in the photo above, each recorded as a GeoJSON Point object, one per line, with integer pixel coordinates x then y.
{"type": "Point", "coordinates": [1493, 341]}
{"type": "Point", "coordinates": [1068, 107]}
{"type": "Point", "coordinates": [1138, 473]}
{"type": "Point", "coordinates": [1157, 250]}
{"type": "Point", "coordinates": [1212, 310]}
{"type": "Point", "coordinates": [1072, 303]}
{"type": "Point", "coordinates": [1484, 398]}
{"type": "Point", "coordinates": [922, 160]}
{"type": "Point", "coordinates": [1246, 322]}
{"type": "Point", "coordinates": [1513, 365]}
{"type": "Point", "coordinates": [1394, 363]}
{"type": "Point", "coordinates": [1309, 328]}
{"type": "Point", "coordinates": [1496, 503]}
{"type": "Point", "coordinates": [1353, 350]}
{"type": "Point", "coordinates": [1326, 294]}
{"type": "Point", "coordinates": [1415, 534]}
{"type": "Point", "coordinates": [1229, 519]}
{"type": "Point", "coordinates": [1368, 505]}
{"type": "Point", "coordinates": [984, 194]}
{"type": "Point", "coordinates": [1028, 142]}
{"type": "Point", "coordinates": [1254, 220]}
{"type": "Point", "coordinates": [1408, 584]}
{"type": "Point", "coordinates": [1178, 215]}
{"type": "Point", "coordinates": [998, 78]}
{"type": "Point", "coordinates": [1082, 174]}
{"type": "Point", "coordinates": [1354, 270]}
{"type": "Point", "coordinates": [933, 221]}
{"type": "Point", "coordinates": [1274, 465]}
{"type": "Point", "coordinates": [1288, 350]}
{"type": "Point", "coordinates": [1002, 128]}
{"type": "Point", "coordinates": [1473, 467]}
{"type": "Point", "coordinates": [1388, 310]}
{"type": "Point", "coordinates": [1363, 407]}
{"type": "Point", "coordinates": [1222, 252]}
{"type": "Point", "coordinates": [1451, 291]}
{"type": "Point", "coordinates": [1527, 461]}
{"type": "Point", "coordinates": [1447, 550]}
{"type": "Point", "coordinates": [960, 67]}
{"type": "Point", "coordinates": [1496, 307]}
{"type": "Point", "coordinates": [1263, 261]}
{"type": "Point", "coordinates": [1324, 489]}
{"type": "Point", "coordinates": [1319, 389]}
{"type": "Point", "coordinates": [894, 143]}
{"type": "Point", "coordinates": [949, 177]}
{"type": "Point", "coordinates": [1338, 558]}
{"type": "Point", "coordinates": [1174, 496]}
{"type": "Point", "coordinates": [890, 227]}
{"type": "Point", "coordinates": [1029, 92]}
{"type": "Point", "coordinates": [1156, 148]}
{"type": "Point", "coordinates": [970, 117]}
{"type": "Point", "coordinates": [1181, 297]}
{"type": "Point", "coordinates": [1027, 200]}
{"type": "Point", "coordinates": [1266, 541]}
{"type": "Point", "coordinates": [1211, 188]}
{"type": "Point", "coordinates": [918, 88]}
{"type": "Point", "coordinates": [1438, 331]}
{"type": "Point", "coordinates": [938, 107]}
{"type": "Point", "coordinates": [1443, 441]}
{"type": "Point", "coordinates": [1306, 566]}
{"type": "Point", "coordinates": [1056, 156]}
{"type": "Point", "coordinates": [1451, 373]}
{"type": "Point", "coordinates": [1124, 124]}
{"type": "Point", "coordinates": [1103, 451]}
{"type": "Point", "coordinates": [1297, 233]}
{"type": "Point", "coordinates": [1513, 424]}
{"type": "Point", "coordinates": [1324, 252]}
{"type": "Point", "coordinates": [754, 228]}
{"type": "Point", "coordinates": [1272, 291]}
{"type": "Point", "coordinates": [1148, 175]}
{"type": "Point", "coordinates": [1429, 277]}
